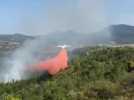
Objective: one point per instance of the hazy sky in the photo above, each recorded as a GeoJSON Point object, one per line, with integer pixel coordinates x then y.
{"type": "Point", "coordinates": [45, 16]}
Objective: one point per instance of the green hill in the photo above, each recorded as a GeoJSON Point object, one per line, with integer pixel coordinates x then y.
{"type": "Point", "coordinates": [94, 74]}
{"type": "Point", "coordinates": [122, 33]}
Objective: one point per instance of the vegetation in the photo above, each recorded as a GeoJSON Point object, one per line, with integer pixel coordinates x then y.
{"type": "Point", "coordinates": [98, 73]}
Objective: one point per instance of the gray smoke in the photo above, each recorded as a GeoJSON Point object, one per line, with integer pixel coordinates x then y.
{"type": "Point", "coordinates": [22, 58]}
{"type": "Point", "coordinates": [87, 16]}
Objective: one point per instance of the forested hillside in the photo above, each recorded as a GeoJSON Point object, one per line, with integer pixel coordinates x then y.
{"type": "Point", "coordinates": [97, 73]}
{"type": "Point", "coordinates": [122, 33]}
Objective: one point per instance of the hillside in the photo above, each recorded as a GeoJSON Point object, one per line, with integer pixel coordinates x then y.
{"type": "Point", "coordinates": [122, 33]}
{"type": "Point", "coordinates": [95, 73]}
{"type": "Point", "coordinates": [15, 37]}
{"type": "Point", "coordinates": [75, 39]}
{"type": "Point", "coordinates": [12, 41]}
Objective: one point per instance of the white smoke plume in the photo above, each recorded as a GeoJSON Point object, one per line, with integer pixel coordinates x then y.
{"type": "Point", "coordinates": [21, 60]}
{"type": "Point", "coordinates": [86, 16]}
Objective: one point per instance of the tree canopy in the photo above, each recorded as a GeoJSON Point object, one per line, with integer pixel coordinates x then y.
{"type": "Point", "coordinates": [100, 73]}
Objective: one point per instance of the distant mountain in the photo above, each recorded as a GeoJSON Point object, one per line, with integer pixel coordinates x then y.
{"type": "Point", "coordinates": [12, 41]}
{"type": "Point", "coordinates": [75, 39]}
{"type": "Point", "coordinates": [118, 33]}
{"type": "Point", "coordinates": [122, 33]}
{"type": "Point", "coordinates": [15, 37]}
{"type": "Point", "coordinates": [67, 37]}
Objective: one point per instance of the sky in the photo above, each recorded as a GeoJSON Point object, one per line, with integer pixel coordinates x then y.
{"type": "Point", "coordinates": [45, 16]}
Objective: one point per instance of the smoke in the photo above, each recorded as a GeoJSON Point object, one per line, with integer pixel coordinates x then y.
{"type": "Point", "coordinates": [86, 16]}
{"type": "Point", "coordinates": [18, 65]}
{"type": "Point", "coordinates": [18, 61]}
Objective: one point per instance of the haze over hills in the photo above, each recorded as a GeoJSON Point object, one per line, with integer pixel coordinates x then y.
{"type": "Point", "coordinates": [17, 37]}
{"type": "Point", "coordinates": [11, 41]}
{"type": "Point", "coordinates": [69, 37]}
{"type": "Point", "coordinates": [118, 33]}
{"type": "Point", "coordinates": [76, 39]}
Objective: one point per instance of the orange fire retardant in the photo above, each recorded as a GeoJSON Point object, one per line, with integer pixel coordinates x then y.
{"type": "Point", "coordinates": [54, 65]}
